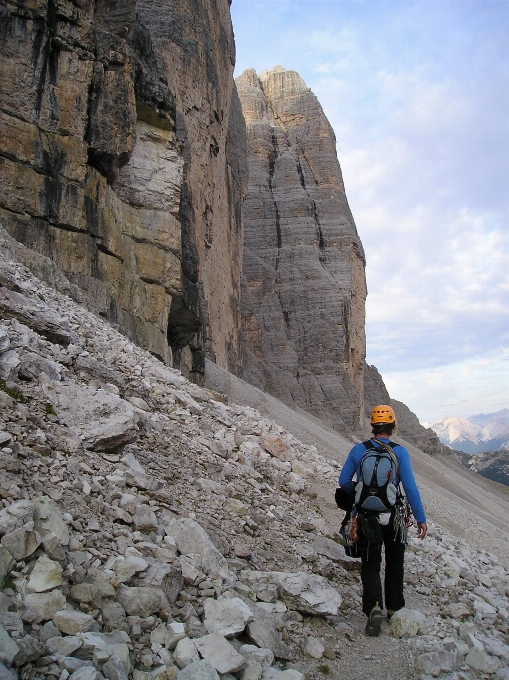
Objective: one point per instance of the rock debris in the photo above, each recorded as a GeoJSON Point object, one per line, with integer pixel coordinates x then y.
{"type": "Point", "coordinates": [150, 530]}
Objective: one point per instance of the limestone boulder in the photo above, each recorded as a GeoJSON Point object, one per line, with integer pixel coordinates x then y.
{"type": "Point", "coordinates": [37, 316]}
{"type": "Point", "coordinates": [220, 653]}
{"type": "Point", "coordinates": [48, 519]}
{"type": "Point", "coordinates": [264, 633]}
{"type": "Point", "coordinates": [22, 542]}
{"type": "Point", "coordinates": [198, 670]}
{"type": "Point", "coordinates": [45, 605]}
{"type": "Point", "coordinates": [16, 515]}
{"type": "Point", "coordinates": [8, 647]}
{"type": "Point", "coordinates": [46, 575]}
{"type": "Point", "coordinates": [9, 365]}
{"type": "Point", "coordinates": [185, 653]}
{"type": "Point", "coordinates": [141, 601]}
{"type": "Point", "coordinates": [303, 591]}
{"type": "Point", "coordinates": [163, 576]}
{"type": "Point", "coordinates": [407, 622]}
{"type": "Point", "coordinates": [7, 562]}
{"type": "Point", "coordinates": [101, 419]}
{"type": "Point", "coordinates": [72, 622]}
{"type": "Point", "coordinates": [32, 365]}
{"type": "Point", "coordinates": [227, 617]}
{"type": "Point", "coordinates": [191, 538]}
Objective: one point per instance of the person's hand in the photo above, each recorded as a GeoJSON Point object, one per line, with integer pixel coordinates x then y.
{"type": "Point", "coordinates": [422, 529]}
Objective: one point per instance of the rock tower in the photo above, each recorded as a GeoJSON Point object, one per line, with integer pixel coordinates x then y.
{"type": "Point", "coordinates": [304, 285]}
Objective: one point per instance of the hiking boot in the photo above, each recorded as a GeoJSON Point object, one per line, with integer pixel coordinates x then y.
{"type": "Point", "coordinates": [374, 623]}
{"type": "Point", "coordinates": [390, 614]}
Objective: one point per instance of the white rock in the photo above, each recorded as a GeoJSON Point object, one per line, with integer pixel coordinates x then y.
{"type": "Point", "coordinates": [301, 590]}
{"type": "Point", "coordinates": [314, 648]}
{"type": "Point", "coordinates": [252, 671]}
{"type": "Point", "coordinates": [407, 622]}
{"type": "Point", "coordinates": [16, 515]}
{"type": "Point", "coordinates": [198, 670]}
{"type": "Point", "coordinates": [288, 674]}
{"type": "Point", "coordinates": [104, 420]}
{"type": "Point", "coordinates": [191, 538]}
{"type": "Point", "coordinates": [48, 519]}
{"type": "Point", "coordinates": [175, 632]}
{"type": "Point", "coordinates": [8, 647]}
{"type": "Point", "coordinates": [226, 617]}
{"type": "Point", "coordinates": [495, 647]}
{"type": "Point", "coordinates": [434, 663]}
{"type": "Point", "coordinates": [145, 518]}
{"type": "Point", "coordinates": [46, 575]}
{"type": "Point", "coordinates": [85, 673]}
{"type": "Point", "coordinates": [9, 365]}
{"type": "Point", "coordinates": [185, 653]}
{"type": "Point", "coordinates": [45, 605]}
{"type": "Point", "coordinates": [140, 601]}
{"type": "Point", "coordinates": [72, 622]}
{"type": "Point", "coordinates": [221, 654]}
{"type": "Point", "coordinates": [264, 656]}
{"type": "Point", "coordinates": [236, 508]}
{"type": "Point", "coordinates": [481, 661]}
{"type": "Point", "coordinates": [7, 562]}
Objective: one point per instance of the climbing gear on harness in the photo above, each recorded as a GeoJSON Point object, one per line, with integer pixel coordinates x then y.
{"type": "Point", "coordinates": [349, 533]}
{"type": "Point", "coordinates": [402, 519]}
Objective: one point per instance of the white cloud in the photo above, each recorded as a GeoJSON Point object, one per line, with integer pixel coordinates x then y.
{"type": "Point", "coordinates": [467, 388]}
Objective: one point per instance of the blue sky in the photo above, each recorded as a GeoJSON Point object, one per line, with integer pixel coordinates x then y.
{"type": "Point", "coordinates": [418, 95]}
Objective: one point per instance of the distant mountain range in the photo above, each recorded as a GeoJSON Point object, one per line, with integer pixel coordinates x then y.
{"type": "Point", "coordinates": [484, 432]}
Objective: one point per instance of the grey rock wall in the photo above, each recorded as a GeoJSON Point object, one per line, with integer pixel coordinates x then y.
{"type": "Point", "coordinates": [304, 285]}
{"type": "Point", "coordinates": [122, 150]}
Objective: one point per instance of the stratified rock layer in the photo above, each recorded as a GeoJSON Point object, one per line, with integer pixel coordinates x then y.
{"type": "Point", "coordinates": [304, 282]}
{"type": "Point", "coordinates": [121, 143]}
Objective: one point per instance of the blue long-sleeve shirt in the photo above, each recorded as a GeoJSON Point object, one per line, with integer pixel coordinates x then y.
{"type": "Point", "coordinates": [406, 475]}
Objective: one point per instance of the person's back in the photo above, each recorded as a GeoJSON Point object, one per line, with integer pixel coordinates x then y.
{"type": "Point", "coordinates": [384, 523]}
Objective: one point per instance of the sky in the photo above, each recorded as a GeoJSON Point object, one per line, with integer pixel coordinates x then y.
{"type": "Point", "coordinates": [417, 92]}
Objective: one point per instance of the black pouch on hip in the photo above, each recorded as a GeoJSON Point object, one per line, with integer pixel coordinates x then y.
{"type": "Point", "coordinates": [371, 528]}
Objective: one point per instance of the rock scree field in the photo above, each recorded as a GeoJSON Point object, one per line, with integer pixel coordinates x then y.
{"type": "Point", "coordinates": [153, 529]}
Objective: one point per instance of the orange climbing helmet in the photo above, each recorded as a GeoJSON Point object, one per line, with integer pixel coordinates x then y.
{"type": "Point", "coordinates": [382, 414]}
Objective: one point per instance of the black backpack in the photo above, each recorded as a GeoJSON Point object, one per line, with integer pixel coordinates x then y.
{"type": "Point", "coordinates": [377, 489]}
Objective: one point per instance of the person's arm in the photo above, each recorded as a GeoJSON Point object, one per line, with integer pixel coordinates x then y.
{"type": "Point", "coordinates": [347, 473]}
{"type": "Point", "coordinates": [412, 492]}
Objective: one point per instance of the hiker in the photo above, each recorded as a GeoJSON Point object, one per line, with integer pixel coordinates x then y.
{"type": "Point", "coordinates": [387, 526]}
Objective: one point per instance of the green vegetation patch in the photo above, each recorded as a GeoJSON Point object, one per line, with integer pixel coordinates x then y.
{"type": "Point", "coordinates": [12, 392]}
{"type": "Point", "coordinates": [49, 409]}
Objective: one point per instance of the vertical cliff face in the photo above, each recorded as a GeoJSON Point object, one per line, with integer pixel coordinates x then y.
{"type": "Point", "coordinates": [121, 155]}
{"type": "Point", "coordinates": [304, 282]}
{"type": "Point", "coordinates": [195, 40]}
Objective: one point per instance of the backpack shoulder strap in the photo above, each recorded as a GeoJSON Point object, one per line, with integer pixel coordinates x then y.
{"type": "Point", "coordinates": [390, 450]}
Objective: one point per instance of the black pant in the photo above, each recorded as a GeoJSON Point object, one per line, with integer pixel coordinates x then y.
{"type": "Point", "coordinates": [371, 558]}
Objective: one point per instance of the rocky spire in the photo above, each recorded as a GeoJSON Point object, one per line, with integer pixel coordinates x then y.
{"type": "Point", "coordinates": [304, 282]}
